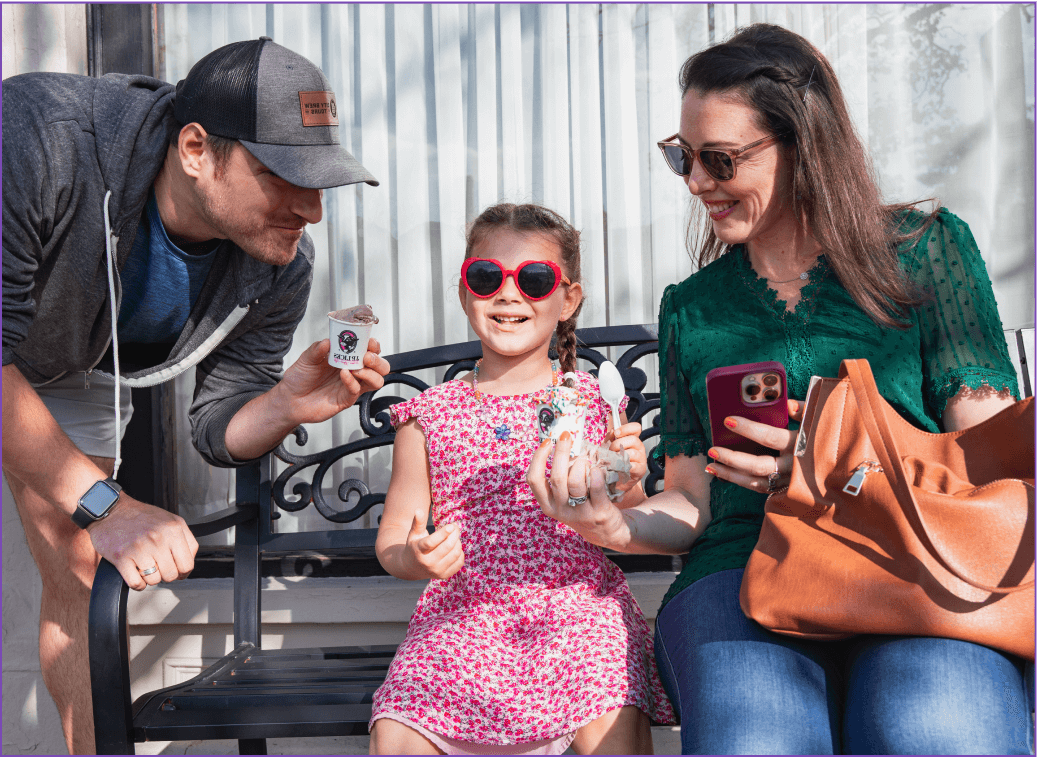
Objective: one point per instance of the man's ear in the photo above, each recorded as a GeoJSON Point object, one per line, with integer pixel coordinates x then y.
{"type": "Point", "coordinates": [192, 148]}
{"type": "Point", "coordinates": [573, 298]}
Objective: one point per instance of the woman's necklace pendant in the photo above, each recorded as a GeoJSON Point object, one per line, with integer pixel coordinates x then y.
{"type": "Point", "coordinates": [802, 277]}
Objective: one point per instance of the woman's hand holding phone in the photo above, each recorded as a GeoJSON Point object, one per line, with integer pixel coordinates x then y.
{"type": "Point", "coordinates": [753, 471]}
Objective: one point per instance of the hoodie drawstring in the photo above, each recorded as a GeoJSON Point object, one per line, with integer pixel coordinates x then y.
{"type": "Point", "coordinates": [115, 336]}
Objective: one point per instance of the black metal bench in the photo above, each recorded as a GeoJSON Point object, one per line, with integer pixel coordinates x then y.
{"type": "Point", "coordinates": [254, 694]}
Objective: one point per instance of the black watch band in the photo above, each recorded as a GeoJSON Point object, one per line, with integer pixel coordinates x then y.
{"type": "Point", "coordinates": [97, 502]}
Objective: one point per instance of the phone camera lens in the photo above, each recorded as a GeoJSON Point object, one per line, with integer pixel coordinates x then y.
{"type": "Point", "coordinates": [752, 390]}
{"type": "Point", "coordinates": [770, 379]}
{"type": "Point", "coordinates": [770, 394]}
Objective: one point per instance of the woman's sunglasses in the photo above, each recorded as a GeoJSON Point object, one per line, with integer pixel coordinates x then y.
{"type": "Point", "coordinates": [536, 279]}
{"type": "Point", "coordinates": [719, 164]}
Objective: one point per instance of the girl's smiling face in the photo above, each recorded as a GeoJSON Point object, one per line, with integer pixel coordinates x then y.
{"type": "Point", "coordinates": [509, 324]}
{"type": "Point", "coordinates": [755, 204]}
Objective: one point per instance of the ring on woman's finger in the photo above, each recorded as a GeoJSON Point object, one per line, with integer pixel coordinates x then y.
{"type": "Point", "coordinates": [772, 479]}
{"type": "Point", "coordinates": [149, 571]}
{"type": "Point", "coordinates": [574, 501]}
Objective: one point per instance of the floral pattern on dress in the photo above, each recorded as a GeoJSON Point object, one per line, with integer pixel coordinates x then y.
{"type": "Point", "coordinates": [538, 634]}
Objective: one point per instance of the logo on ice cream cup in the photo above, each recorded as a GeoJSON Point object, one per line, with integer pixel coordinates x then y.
{"type": "Point", "coordinates": [347, 341]}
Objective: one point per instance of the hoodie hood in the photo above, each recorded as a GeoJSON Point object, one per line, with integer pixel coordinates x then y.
{"type": "Point", "coordinates": [133, 121]}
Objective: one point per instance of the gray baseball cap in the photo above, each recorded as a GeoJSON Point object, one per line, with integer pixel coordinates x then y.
{"type": "Point", "coordinates": [278, 105]}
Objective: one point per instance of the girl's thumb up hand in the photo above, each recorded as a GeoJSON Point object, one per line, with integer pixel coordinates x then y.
{"type": "Point", "coordinates": [435, 555]}
{"type": "Point", "coordinates": [418, 528]}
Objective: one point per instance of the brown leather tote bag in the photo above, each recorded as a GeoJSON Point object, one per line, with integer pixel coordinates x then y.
{"type": "Point", "coordinates": [887, 529]}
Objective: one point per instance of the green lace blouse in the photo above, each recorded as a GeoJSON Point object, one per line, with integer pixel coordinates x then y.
{"type": "Point", "coordinates": [726, 315]}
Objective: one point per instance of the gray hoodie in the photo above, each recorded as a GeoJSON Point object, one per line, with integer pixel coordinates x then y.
{"type": "Point", "coordinates": [79, 157]}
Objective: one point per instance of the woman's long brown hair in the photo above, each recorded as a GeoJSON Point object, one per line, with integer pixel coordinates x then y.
{"type": "Point", "coordinates": [794, 91]}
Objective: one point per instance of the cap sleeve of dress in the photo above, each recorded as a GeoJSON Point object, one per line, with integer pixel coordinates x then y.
{"type": "Point", "coordinates": [402, 412]}
{"type": "Point", "coordinates": [680, 431]}
{"type": "Point", "coordinates": [962, 339]}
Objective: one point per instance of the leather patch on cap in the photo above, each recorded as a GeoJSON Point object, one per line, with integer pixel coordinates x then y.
{"type": "Point", "coordinates": [318, 109]}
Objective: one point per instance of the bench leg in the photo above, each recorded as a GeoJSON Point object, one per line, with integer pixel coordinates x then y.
{"type": "Point", "coordinates": [251, 746]}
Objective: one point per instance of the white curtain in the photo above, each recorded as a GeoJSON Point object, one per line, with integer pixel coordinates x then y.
{"type": "Point", "coordinates": [456, 107]}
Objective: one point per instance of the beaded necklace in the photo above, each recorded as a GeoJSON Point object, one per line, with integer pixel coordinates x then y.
{"type": "Point", "coordinates": [504, 432]}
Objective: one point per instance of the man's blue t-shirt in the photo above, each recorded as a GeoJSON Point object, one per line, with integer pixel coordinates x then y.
{"type": "Point", "coordinates": [160, 283]}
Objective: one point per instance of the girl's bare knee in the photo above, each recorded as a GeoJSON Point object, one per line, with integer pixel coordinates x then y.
{"type": "Point", "coordinates": [626, 730]}
{"type": "Point", "coordinates": [390, 736]}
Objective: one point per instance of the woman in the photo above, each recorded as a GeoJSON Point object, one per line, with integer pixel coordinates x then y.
{"type": "Point", "coordinates": [801, 262]}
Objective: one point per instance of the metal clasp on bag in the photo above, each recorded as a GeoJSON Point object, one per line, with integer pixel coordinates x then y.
{"type": "Point", "coordinates": [853, 486]}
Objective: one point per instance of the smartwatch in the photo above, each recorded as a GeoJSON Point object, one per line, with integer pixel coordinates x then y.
{"type": "Point", "coordinates": [97, 502]}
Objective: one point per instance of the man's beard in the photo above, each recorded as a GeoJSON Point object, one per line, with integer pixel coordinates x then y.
{"type": "Point", "coordinates": [257, 239]}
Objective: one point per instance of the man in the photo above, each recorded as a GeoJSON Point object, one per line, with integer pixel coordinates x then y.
{"type": "Point", "coordinates": [148, 230]}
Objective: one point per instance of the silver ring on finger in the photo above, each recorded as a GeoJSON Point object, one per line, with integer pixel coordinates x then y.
{"type": "Point", "coordinates": [772, 479]}
{"type": "Point", "coordinates": [149, 571]}
{"type": "Point", "coordinates": [574, 501]}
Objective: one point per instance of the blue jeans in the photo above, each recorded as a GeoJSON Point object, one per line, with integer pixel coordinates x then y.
{"type": "Point", "coordinates": [740, 689]}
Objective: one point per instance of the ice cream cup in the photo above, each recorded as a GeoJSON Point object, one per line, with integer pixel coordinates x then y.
{"type": "Point", "coordinates": [564, 412]}
{"type": "Point", "coordinates": [348, 342]}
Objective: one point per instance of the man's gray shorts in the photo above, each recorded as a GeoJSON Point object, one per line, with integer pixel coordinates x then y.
{"type": "Point", "coordinates": [85, 410]}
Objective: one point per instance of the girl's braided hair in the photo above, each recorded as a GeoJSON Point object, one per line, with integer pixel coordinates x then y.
{"type": "Point", "coordinates": [536, 219]}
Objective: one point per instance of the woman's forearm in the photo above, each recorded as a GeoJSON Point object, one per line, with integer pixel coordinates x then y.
{"type": "Point", "coordinates": [666, 524]}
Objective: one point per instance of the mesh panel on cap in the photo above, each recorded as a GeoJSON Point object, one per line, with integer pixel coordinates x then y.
{"type": "Point", "coordinates": [220, 91]}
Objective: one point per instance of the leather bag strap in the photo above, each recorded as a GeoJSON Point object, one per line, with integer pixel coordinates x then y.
{"type": "Point", "coordinates": [872, 413]}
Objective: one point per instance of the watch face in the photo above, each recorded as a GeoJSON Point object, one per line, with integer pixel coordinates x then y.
{"type": "Point", "coordinates": [99, 499]}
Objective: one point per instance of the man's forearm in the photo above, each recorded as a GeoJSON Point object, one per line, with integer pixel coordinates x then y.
{"type": "Point", "coordinates": [311, 391]}
{"type": "Point", "coordinates": [37, 452]}
{"type": "Point", "coordinates": [260, 425]}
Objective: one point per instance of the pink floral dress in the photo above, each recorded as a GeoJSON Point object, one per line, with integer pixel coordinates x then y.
{"type": "Point", "coordinates": [538, 634]}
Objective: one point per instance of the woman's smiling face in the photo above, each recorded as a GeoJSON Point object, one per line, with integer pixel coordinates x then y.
{"type": "Point", "coordinates": [755, 204]}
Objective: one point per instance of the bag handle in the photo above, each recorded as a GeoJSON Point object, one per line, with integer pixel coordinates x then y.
{"type": "Point", "coordinates": [870, 404]}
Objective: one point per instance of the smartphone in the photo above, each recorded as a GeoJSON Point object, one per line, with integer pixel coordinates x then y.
{"type": "Point", "coordinates": [757, 391]}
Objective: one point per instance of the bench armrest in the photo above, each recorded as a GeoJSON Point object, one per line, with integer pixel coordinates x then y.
{"type": "Point", "coordinates": [223, 519]}
{"type": "Point", "coordinates": [108, 644]}
{"type": "Point", "coordinates": [110, 661]}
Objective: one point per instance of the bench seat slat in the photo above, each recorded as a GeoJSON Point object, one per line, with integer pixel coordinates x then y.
{"type": "Point", "coordinates": [327, 672]}
{"type": "Point", "coordinates": [252, 697]}
{"type": "Point", "coordinates": [267, 722]}
{"type": "Point", "coordinates": [186, 698]}
{"type": "Point", "coordinates": [309, 667]}
{"type": "Point", "coordinates": [326, 652]}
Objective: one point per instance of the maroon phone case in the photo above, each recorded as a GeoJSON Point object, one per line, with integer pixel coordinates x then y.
{"type": "Point", "coordinates": [724, 396]}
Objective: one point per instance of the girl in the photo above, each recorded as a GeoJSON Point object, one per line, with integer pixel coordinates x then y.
{"type": "Point", "coordinates": [527, 639]}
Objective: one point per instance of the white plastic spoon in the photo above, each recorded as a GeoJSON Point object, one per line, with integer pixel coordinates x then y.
{"type": "Point", "coordinates": [612, 389]}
